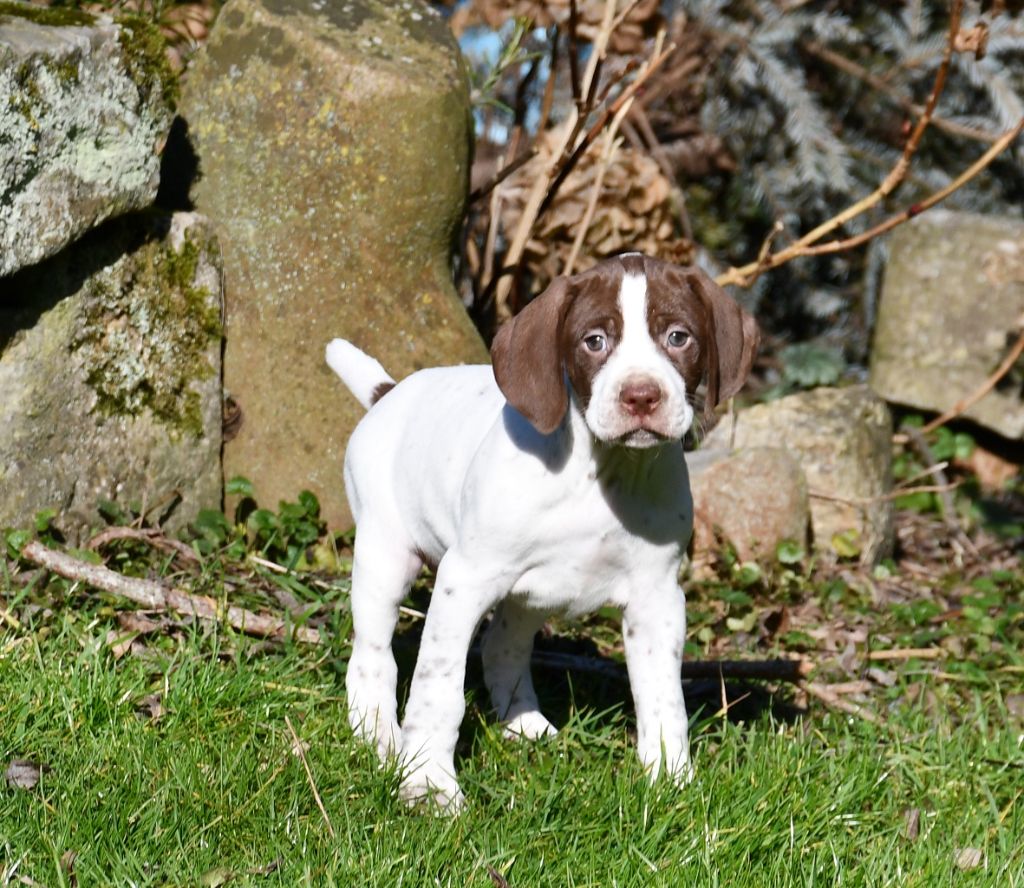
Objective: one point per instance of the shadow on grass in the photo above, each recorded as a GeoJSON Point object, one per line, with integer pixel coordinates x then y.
{"type": "Point", "coordinates": [597, 683]}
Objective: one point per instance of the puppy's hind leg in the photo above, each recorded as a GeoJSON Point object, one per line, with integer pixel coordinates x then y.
{"type": "Point", "coordinates": [506, 659]}
{"type": "Point", "coordinates": [383, 570]}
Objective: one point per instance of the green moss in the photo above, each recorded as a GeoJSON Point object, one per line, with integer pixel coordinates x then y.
{"type": "Point", "coordinates": [147, 329]}
{"type": "Point", "coordinates": [56, 16]}
{"type": "Point", "coordinates": [145, 58]}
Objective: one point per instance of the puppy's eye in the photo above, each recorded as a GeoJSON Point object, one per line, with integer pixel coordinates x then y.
{"type": "Point", "coordinates": [678, 338]}
{"type": "Point", "coordinates": [595, 342]}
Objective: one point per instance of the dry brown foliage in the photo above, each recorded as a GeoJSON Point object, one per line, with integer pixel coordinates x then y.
{"type": "Point", "coordinates": [634, 211]}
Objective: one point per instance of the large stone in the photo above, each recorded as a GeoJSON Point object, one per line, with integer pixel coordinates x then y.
{"type": "Point", "coordinates": [333, 139]}
{"type": "Point", "coordinates": [842, 438]}
{"type": "Point", "coordinates": [85, 108]}
{"type": "Point", "coordinates": [951, 308]}
{"type": "Point", "coordinates": [110, 374]}
{"type": "Point", "coordinates": [756, 498]}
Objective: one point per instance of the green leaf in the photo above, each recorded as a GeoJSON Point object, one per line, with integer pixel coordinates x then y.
{"type": "Point", "coordinates": [847, 544]}
{"type": "Point", "coordinates": [747, 574]}
{"type": "Point", "coordinates": [309, 502]}
{"type": "Point", "coordinates": [789, 552]}
{"type": "Point", "coordinates": [735, 597]}
{"type": "Point", "coordinates": [44, 519]}
{"type": "Point", "coordinates": [741, 624]}
{"type": "Point", "coordinates": [239, 486]}
{"type": "Point", "coordinates": [16, 540]}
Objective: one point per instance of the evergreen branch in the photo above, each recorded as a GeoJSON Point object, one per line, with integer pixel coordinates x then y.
{"type": "Point", "coordinates": [804, 246]}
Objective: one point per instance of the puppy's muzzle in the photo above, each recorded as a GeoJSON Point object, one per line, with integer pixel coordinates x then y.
{"type": "Point", "coordinates": [640, 396]}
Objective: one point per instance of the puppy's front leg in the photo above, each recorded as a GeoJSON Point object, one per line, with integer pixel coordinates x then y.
{"type": "Point", "coordinates": [654, 630]}
{"type": "Point", "coordinates": [433, 714]}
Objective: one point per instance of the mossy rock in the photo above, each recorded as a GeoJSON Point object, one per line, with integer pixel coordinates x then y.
{"type": "Point", "coordinates": [334, 144]}
{"type": "Point", "coordinates": [85, 108]}
{"type": "Point", "coordinates": [110, 368]}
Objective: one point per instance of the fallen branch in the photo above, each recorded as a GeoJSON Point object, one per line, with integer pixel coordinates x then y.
{"type": "Point", "coordinates": [157, 597]}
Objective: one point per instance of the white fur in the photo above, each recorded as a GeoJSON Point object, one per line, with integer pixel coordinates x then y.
{"type": "Point", "coordinates": [360, 373]}
{"type": "Point", "coordinates": [527, 524]}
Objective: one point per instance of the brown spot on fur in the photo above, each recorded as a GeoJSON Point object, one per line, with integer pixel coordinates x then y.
{"type": "Point", "coordinates": [380, 391]}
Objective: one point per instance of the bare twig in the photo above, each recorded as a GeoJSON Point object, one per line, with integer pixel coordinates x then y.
{"type": "Point", "coordinates": [502, 175]}
{"type": "Point", "coordinates": [611, 145]}
{"type": "Point", "coordinates": [835, 701]}
{"type": "Point", "coordinates": [155, 596]}
{"type": "Point", "coordinates": [908, 654]}
{"type": "Point", "coordinates": [570, 146]}
{"type": "Point", "coordinates": [808, 244]}
{"type": "Point", "coordinates": [152, 536]}
{"type": "Point", "coordinates": [301, 752]}
{"type": "Point", "coordinates": [882, 497]}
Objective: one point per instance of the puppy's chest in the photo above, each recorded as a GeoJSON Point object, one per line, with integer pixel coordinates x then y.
{"type": "Point", "coordinates": [592, 559]}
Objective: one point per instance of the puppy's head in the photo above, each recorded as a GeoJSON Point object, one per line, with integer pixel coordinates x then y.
{"type": "Point", "coordinates": [634, 336]}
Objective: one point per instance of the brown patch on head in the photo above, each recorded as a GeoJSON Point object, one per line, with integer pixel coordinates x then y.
{"type": "Point", "coordinates": [595, 309]}
{"type": "Point", "coordinates": [726, 336]}
{"type": "Point", "coordinates": [533, 350]}
{"type": "Point", "coordinates": [527, 360]}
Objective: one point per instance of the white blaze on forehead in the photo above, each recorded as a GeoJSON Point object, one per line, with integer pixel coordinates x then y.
{"type": "Point", "coordinates": [635, 345]}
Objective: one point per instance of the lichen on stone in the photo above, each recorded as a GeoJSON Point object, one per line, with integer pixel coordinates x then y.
{"type": "Point", "coordinates": [146, 329]}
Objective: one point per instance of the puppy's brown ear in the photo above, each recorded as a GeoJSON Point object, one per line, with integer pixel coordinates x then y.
{"type": "Point", "coordinates": [733, 338]}
{"type": "Point", "coordinates": [528, 361]}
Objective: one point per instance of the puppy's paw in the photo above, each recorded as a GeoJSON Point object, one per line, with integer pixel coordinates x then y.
{"type": "Point", "coordinates": [380, 731]}
{"type": "Point", "coordinates": [431, 787]}
{"type": "Point", "coordinates": [528, 725]}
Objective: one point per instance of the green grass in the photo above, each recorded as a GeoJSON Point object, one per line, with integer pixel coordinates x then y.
{"type": "Point", "coordinates": [211, 793]}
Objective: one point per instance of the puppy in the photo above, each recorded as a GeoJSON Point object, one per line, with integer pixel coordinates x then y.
{"type": "Point", "coordinates": [553, 483]}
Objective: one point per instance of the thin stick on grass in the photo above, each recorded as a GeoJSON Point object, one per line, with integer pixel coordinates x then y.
{"type": "Point", "coordinates": [908, 654]}
{"type": "Point", "coordinates": [158, 597]}
{"type": "Point", "coordinates": [309, 775]}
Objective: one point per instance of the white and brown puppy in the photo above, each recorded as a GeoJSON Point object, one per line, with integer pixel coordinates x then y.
{"type": "Point", "coordinates": [553, 484]}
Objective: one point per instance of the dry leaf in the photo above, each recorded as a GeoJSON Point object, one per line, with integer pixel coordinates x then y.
{"type": "Point", "coordinates": [150, 708]}
{"type": "Point", "coordinates": [67, 864]}
{"type": "Point", "coordinates": [912, 820]}
{"type": "Point", "coordinates": [968, 858]}
{"type": "Point", "coordinates": [214, 878]}
{"type": "Point", "coordinates": [23, 774]}
{"type": "Point", "coordinates": [634, 211]}
{"type": "Point", "coordinates": [120, 642]}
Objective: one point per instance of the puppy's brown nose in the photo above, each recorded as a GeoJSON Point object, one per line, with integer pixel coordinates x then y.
{"type": "Point", "coordinates": [640, 397]}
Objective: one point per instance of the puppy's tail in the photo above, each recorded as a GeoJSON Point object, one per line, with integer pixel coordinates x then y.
{"type": "Point", "coordinates": [363, 375]}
